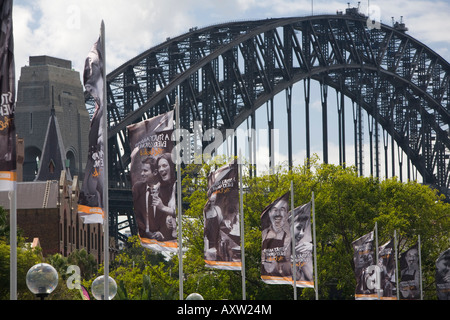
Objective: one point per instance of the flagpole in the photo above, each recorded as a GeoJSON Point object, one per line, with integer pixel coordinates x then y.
{"type": "Point", "coordinates": [105, 169]}
{"type": "Point", "coordinates": [316, 283]}
{"type": "Point", "coordinates": [241, 207]}
{"type": "Point", "coordinates": [376, 242]}
{"type": "Point", "coordinates": [294, 262]}
{"type": "Point", "coordinates": [420, 268]}
{"type": "Point", "coordinates": [180, 233]}
{"type": "Point", "coordinates": [396, 265]}
{"type": "Point", "coordinates": [376, 253]}
{"type": "Point", "coordinates": [13, 242]}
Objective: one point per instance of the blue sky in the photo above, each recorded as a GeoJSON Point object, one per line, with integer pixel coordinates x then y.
{"type": "Point", "coordinates": [67, 29]}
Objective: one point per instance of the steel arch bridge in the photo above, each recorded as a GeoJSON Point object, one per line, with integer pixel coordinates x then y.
{"type": "Point", "coordinates": [223, 73]}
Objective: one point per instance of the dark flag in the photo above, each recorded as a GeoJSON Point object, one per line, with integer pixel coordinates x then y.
{"type": "Point", "coordinates": [364, 261]}
{"type": "Point", "coordinates": [7, 82]}
{"type": "Point", "coordinates": [409, 282]}
{"type": "Point", "coordinates": [91, 203]}
{"type": "Point", "coordinates": [303, 246]}
{"type": "Point", "coordinates": [154, 182]}
{"type": "Point", "coordinates": [443, 275]}
{"type": "Point", "coordinates": [276, 266]}
{"type": "Point", "coordinates": [386, 264]}
{"type": "Point", "coordinates": [222, 237]}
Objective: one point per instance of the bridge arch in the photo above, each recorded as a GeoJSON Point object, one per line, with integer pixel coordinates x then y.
{"type": "Point", "coordinates": [223, 73]}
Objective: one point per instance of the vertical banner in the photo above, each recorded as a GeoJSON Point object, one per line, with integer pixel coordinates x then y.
{"type": "Point", "coordinates": [7, 83]}
{"type": "Point", "coordinates": [303, 246]}
{"type": "Point", "coordinates": [222, 237]}
{"type": "Point", "coordinates": [276, 267]}
{"type": "Point", "coordinates": [387, 271]}
{"type": "Point", "coordinates": [91, 202]}
{"type": "Point", "coordinates": [443, 275]}
{"type": "Point", "coordinates": [154, 182]}
{"type": "Point", "coordinates": [409, 284]}
{"type": "Point", "coordinates": [364, 261]}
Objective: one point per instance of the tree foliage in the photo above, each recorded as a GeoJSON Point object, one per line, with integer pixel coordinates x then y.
{"type": "Point", "coordinates": [347, 206]}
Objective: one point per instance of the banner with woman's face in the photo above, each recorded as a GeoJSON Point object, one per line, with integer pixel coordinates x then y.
{"type": "Point", "coordinates": [153, 178]}
{"type": "Point", "coordinates": [91, 203]}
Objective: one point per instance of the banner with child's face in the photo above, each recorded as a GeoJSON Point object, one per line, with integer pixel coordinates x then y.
{"type": "Point", "coordinates": [154, 182]}
{"type": "Point", "coordinates": [303, 246]}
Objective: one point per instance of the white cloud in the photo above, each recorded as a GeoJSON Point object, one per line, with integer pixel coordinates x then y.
{"type": "Point", "coordinates": [67, 29]}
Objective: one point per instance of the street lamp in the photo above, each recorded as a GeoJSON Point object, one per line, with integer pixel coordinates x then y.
{"type": "Point", "coordinates": [42, 279]}
{"type": "Point", "coordinates": [194, 296]}
{"type": "Point", "coordinates": [98, 288]}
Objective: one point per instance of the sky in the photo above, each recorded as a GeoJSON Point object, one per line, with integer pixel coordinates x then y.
{"type": "Point", "coordinates": [67, 29]}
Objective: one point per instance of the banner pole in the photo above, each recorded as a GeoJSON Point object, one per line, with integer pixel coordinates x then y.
{"type": "Point", "coordinates": [294, 262]}
{"type": "Point", "coordinates": [420, 268]}
{"type": "Point", "coordinates": [105, 169]}
{"type": "Point", "coordinates": [180, 233]}
{"type": "Point", "coordinates": [316, 282]}
{"type": "Point", "coordinates": [241, 207]}
{"type": "Point", "coordinates": [13, 241]}
{"type": "Point", "coordinates": [376, 253]}
{"type": "Point", "coordinates": [396, 264]}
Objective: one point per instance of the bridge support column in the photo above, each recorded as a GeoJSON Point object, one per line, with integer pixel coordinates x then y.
{"type": "Point", "coordinates": [289, 123]}
{"type": "Point", "coordinates": [324, 99]}
{"type": "Point", "coordinates": [340, 102]}
{"type": "Point", "coordinates": [269, 107]}
{"type": "Point", "coordinates": [307, 91]}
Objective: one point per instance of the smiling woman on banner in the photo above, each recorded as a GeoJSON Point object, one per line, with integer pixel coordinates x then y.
{"type": "Point", "coordinates": [153, 178]}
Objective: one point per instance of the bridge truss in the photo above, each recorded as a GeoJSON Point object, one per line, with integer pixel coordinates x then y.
{"type": "Point", "coordinates": [223, 73]}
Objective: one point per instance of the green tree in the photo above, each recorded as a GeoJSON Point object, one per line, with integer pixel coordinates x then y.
{"type": "Point", "coordinates": [26, 258]}
{"type": "Point", "coordinates": [346, 207]}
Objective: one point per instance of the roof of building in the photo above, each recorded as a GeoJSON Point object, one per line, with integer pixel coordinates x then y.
{"type": "Point", "coordinates": [33, 195]}
{"type": "Point", "coordinates": [53, 159]}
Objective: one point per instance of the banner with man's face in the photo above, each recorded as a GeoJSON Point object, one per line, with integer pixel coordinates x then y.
{"type": "Point", "coordinates": [365, 272]}
{"type": "Point", "coordinates": [409, 282]}
{"type": "Point", "coordinates": [276, 266]}
{"type": "Point", "coordinates": [222, 237]}
{"type": "Point", "coordinates": [154, 182]}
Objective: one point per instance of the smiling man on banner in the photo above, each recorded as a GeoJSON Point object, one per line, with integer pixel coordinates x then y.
{"type": "Point", "coordinates": [276, 265]}
{"type": "Point", "coordinates": [154, 182]}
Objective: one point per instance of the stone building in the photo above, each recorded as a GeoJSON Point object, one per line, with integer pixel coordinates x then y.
{"type": "Point", "coordinates": [48, 85]}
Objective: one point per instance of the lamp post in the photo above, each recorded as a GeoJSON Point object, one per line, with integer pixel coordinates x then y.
{"type": "Point", "coordinates": [98, 288]}
{"type": "Point", "coordinates": [42, 279]}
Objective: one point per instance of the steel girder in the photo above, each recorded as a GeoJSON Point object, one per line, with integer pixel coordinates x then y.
{"type": "Point", "coordinates": [223, 73]}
